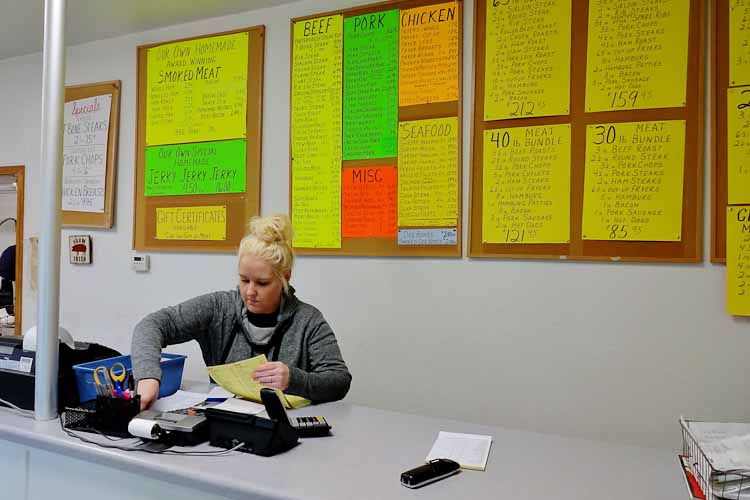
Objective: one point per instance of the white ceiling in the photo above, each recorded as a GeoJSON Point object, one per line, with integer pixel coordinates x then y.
{"type": "Point", "coordinates": [87, 20]}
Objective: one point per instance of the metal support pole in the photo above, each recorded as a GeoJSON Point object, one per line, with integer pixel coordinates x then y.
{"type": "Point", "coordinates": [48, 311]}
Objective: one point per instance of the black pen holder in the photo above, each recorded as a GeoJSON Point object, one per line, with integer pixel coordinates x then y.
{"type": "Point", "coordinates": [112, 415]}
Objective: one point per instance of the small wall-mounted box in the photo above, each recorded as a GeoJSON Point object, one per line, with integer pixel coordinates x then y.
{"type": "Point", "coordinates": [80, 249]}
{"type": "Point", "coordinates": [140, 263]}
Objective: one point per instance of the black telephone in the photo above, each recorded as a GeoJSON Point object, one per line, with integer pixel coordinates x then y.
{"type": "Point", "coordinates": [305, 426]}
{"type": "Point", "coordinates": [254, 434]}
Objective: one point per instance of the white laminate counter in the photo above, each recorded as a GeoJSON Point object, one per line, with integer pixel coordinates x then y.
{"type": "Point", "coordinates": [362, 460]}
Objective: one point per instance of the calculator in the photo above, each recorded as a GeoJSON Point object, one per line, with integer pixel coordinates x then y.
{"type": "Point", "coordinates": [305, 426]}
{"type": "Point", "coordinates": [310, 426]}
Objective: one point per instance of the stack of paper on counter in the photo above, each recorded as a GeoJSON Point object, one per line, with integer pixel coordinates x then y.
{"type": "Point", "coordinates": [469, 450]}
{"type": "Point", "coordinates": [727, 448]}
{"type": "Point", "coordinates": [237, 379]}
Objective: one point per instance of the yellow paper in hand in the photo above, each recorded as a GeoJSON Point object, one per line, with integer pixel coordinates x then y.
{"type": "Point", "coordinates": [237, 379]}
{"type": "Point", "coordinates": [738, 260]}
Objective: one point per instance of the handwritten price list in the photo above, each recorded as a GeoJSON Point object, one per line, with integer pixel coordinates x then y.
{"type": "Point", "coordinates": [371, 85]}
{"type": "Point", "coordinates": [428, 172]}
{"type": "Point", "coordinates": [369, 201]}
{"type": "Point", "coordinates": [197, 90]}
{"type": "Point", "coordinates": [527, 59]}
{"type": "Point", "coordinates": [428, 54]}
{"type": "Point", "coordinates": [316, 132]}
{"type": "Point", "coordinates": [85, 142]}
{"type": "Point", "coordinates": [738, 260]}
{"type": "Point", "coordinates": [633, 181]}
{"type": "Point", "coordinates": [526, 185]}
{"type": "Point", "coordinates": [738, 145]}
{"type": "Point", "coordinates": [200, 168]}
{"type": "Point", "coordinates": [637, 54]}
{"type": "Point", "coordinates": [739, 42]}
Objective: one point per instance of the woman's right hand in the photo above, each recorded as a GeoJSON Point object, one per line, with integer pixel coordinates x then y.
{"type": "Point", "coordinates": [148, 389]}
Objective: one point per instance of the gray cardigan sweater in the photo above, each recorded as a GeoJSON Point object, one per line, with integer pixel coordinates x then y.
{"type": "Point", "coordinates": [303, 340]}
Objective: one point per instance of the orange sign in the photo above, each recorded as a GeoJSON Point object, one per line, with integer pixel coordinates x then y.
{"type": "Point", "coordinates": [369, 202]}
{"type": "Point", "coordinates": [428, 54]}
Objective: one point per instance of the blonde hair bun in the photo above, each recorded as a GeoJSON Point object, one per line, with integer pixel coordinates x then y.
{"type": "Point", "coordinates": [270, 238]}
{"type": "Point", "coordinates": [272, 229]}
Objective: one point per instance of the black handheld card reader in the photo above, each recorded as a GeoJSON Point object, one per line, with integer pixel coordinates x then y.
{"type": "Point", "coordinates": [261, 436]}
{"type": "Point", "coordinates": [432, 471]}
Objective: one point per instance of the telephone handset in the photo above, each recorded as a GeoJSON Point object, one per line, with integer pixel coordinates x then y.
{"type": "Point", "coordinates": [274, 407]}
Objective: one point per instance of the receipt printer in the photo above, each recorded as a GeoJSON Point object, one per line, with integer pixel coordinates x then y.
{"type": "Point", "coordinates": [177, 429]}
{"type": "Point", "coordinates": [18, 371]}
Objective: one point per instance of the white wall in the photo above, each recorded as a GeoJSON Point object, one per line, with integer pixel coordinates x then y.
{"type": "Point", "coordinates": [607, 351]}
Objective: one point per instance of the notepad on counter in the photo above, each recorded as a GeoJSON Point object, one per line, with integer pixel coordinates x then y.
{"type": "Point", "coordinates": [469, 450]}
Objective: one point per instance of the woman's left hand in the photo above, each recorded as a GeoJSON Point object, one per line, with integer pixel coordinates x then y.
{"type": "Point", "coordinates": [273, 374]}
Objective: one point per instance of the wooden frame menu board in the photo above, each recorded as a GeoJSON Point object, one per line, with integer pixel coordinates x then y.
{"type": "Point", "coordinates": [730, 85]}
{"type": "Point", "coordinates": [91, 132]}
{"type": "Point", "coordinates": [375, 130]}
{"type": "Point", "coordinates": [198, 141]}
{"type": "Point", "coordinates": [635, 192]}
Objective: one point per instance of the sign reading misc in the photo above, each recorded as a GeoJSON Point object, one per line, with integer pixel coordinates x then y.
{"type": "Point", "coordinates": [80, 249]}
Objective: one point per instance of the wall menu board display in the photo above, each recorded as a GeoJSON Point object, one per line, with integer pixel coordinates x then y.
{"type": "Point", "coordinates": [730, 87]}
{"type": "Point", "coordinates": [738, 260]}
{"type": "Point", "coordinates": [588, 128]}
{"type": "Point", "coordinates": [375, 149]}
{"type": "Point", "coordinates": [90, 131]}
{"type": "Point", "coordinates": [198, 145]}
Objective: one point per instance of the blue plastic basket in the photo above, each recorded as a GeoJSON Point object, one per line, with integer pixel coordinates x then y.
{"type": "Point", "coordinates": [171, 374]}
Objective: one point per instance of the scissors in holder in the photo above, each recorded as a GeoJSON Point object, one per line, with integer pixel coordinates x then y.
{"type": "Point", "coordinates": [104, 385]}
{"type": "Point", "coordinates": [118, 372]}
{"type": "Point", "coordinates": [109, 382]}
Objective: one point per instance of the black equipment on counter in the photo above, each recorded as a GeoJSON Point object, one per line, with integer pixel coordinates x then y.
{"type": "Point", "coordinates": [18, 371]}
{"type": "Point", "coordinates": [262, 436]}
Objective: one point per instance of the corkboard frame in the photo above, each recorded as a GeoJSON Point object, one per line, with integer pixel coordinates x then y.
{"type": "Point", "coordinates": [240, 206]}
{"type": "Point", "coordinates": [72, 218]}
{"type": "Point", "coordinates": [719, 85]}
{"type": "Point", "coordinates": [19, 172]}
{"type": "Point", "coordinates": [389, 247]}
{"type": "Point", "coordinates": [689, 249]}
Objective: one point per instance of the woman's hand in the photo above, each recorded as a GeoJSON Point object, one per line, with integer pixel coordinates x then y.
{"type": "Point", "coordinates": [273, 374]}
{"type": "Point", "coordinates": [148, 389]}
